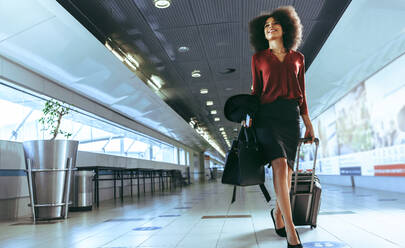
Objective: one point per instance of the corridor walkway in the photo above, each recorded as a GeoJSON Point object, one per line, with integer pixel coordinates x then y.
{"type": "Point", "coordinates": [349, 217]}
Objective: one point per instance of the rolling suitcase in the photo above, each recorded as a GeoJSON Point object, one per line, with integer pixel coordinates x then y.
{"type": "Point", "coordinates": [305, 194]}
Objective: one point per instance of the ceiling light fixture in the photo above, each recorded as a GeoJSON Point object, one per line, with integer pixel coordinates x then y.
{"type": "Point", "coordinates": [201, 130]}
{"type": "Point", "coordinates": [183, 49]}
{"type": "Point", "coordinates": [132, 60]}
{"type": "Point", "coordinates": [126, 60]}
{"type": "Point", "coordinates": [221, 129]}
{"type": "Point", "coordinates": [210, 103]}
{"type": "Point", "coordinates": [152, 85]}
{"type": "Point", "coordinates": [213, 112]}
{"type": "Point", "coordinates": [204, 91]}
{"type": "Point", "coordinates": [217, 119]}
{"type": "Point", "coordinates": [107, 44]}
{"type": "Point", "coordinates": [156, 81]}
{"type": "Point", "coordinates": [117, 55]}
{"type": "Point", "coordinates": [115, 52]}
{"type": "Point", "coordinates": [161, 4]}
{"type": "Point", "coordinates": [196, 73]}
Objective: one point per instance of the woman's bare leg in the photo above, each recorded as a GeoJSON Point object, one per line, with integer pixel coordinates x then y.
{"type": "Point", "coordinates": [277, 213]}
{"type": "Point", "coordinates": [280, 181]}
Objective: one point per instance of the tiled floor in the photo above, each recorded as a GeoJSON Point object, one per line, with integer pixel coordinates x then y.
{"type": "Point", "coordinates": [349, 217]}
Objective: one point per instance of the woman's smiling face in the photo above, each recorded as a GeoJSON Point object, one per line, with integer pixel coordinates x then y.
{"type": "Point", "coordinates": [272, 29]}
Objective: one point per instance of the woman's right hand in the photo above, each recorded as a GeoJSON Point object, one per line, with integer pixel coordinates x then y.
{"type": "Point", "coordinates": [243, 123]}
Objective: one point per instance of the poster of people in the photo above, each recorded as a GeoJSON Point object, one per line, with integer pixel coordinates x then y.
{"type": "Point", "coordinates": [364, 132]}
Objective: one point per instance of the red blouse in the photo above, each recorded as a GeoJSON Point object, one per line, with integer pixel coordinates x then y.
{"type": "Point", "coordinates": [273, 79]}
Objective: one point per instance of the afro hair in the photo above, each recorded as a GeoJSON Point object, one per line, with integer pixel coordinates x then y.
{"type": "Point", "coordinates": [290, 23]}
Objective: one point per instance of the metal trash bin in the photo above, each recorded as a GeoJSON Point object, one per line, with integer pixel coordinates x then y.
{"type": "Point", "coordinates": [214, 173]}
{"type": "Point", "coordinates": [49, 167]}
{"type": "Point", "coordinates": [81, 193]}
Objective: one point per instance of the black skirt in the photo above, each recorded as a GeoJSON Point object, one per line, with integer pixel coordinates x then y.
{"type": "Point", "coordinates": [277, 126]}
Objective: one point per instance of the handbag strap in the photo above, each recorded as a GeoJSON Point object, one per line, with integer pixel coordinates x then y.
{"type": "Point", "coordinates": [262, 188]}
{"type": "Point", "coordinates": [265, 192]}
{"type": "Point", "coordinates": [246, 134]}
{"type": "Point", "coordinates": [233, 194]}
{"type": "Point", "coordinates": [252, 131]}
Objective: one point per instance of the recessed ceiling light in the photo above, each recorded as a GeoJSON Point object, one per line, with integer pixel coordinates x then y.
{"type": "Point", "coordinates": [196, 73]}
{"type": "Point", "coordinates": [162, 4]}
{"type": "Point", "coordinates": [183, 49]}
{"type": "Point", "coordinates": [204, 91]}
{"type": "Point", "coordinates": [210, 103]}
{"type": "Point", "coordinates": [217, 119]}
{"type": "Point", "coordinates": [213, 112]}
{"type": "Point", "coordinates": [235, 129]}
{"type": "Point", "coordinates": [228, 89]}
{"type": "Point", "coordinates": [221, 129]}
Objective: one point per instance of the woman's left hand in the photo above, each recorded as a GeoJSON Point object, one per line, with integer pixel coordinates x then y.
{"type": "Point", "coordinates": [309, 132]}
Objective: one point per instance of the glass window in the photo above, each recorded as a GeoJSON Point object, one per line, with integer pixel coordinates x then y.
{"type": "Point", "coordinates": [176, 155]}
{"type": "Point", "coordinates": [136, 149]}
{"type": "Point", "coordinates": [23, 110]}
{"type": "Point", "coordinates": [182, 156]}
{"type": "Point", "coordinates": [187, 158]}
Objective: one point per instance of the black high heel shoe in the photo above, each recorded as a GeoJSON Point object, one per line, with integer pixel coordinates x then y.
{"type": "Point", "coordinates": [281, 231]}
{"type": "Point", "coordinates": [297, 245]}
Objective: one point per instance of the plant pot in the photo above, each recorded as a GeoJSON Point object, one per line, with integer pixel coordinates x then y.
{"type": "Point", "coordinates": [49, 165]}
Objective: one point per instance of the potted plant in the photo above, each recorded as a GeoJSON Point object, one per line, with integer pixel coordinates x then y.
{"type": "Point", "coordinates": [49, 165]}
{"type": "Point", "coordinates": [51, 120]}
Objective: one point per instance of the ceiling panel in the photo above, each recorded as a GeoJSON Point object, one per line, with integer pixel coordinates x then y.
{"type": "Point", "coordinates": [309, 9]}
{"type": "Point", "coordinates": [218, 11]}
{"type": "Point", "coordinates": [307, 29]}
{"type": "Point", "coordinates": [186, 68]}
{"type": "Point", "coordinates": [225, 69]}
{"type": "Point", "coordinates": [216, 32]}
{"type": "Point", "coordinates": [221, 40]}
{"type": "Point", "coordinates": [178, 15]}
{"type": "Point", "coordinates": [253, 8]}
{"type": "Point", "coordinates": [172, 39]}
{"type": "Point", "coordinates": [197, 86]}
{"type": "Point", "coordinates": [228, 86]}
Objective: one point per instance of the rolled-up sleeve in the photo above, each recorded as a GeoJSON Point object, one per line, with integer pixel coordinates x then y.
{"type": "Point", "coordinates": [301, 80]}
{"type": "Point", "coordinates": [256, 84]}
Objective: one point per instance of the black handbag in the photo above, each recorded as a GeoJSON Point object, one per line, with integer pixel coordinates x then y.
{"type": "Point", "coordinates": [244, 163]}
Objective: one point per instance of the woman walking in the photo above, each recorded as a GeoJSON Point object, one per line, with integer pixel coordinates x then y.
{"type": "Point", "coordinates": [278, 80]}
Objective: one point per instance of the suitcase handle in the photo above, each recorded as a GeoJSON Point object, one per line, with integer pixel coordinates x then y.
{"type": "Point", "coordinates": [303, 140]}
{"type": "Point", "coordinates": [300, 142]}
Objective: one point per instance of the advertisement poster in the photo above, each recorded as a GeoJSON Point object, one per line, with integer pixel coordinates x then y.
{"type": "Point", "coordinates": [353, 122]}
{"type": "Point", "coordinates": [364, 132]}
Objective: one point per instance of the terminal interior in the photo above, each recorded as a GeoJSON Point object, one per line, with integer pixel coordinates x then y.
{"type": "Point", "coordinates": [144, 83]}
